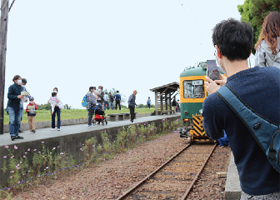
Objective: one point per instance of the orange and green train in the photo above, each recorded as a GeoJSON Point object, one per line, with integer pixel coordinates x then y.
{"type": "Point", "coordinates": [192, 95]}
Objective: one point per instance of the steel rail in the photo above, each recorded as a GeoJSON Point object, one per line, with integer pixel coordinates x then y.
{"type": "Point", "coordinates": [154, 172]}
{"type": "Point", "coordinates": [197, 175]}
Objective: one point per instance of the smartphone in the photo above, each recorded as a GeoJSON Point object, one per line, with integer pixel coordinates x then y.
{"type": "Point", "coordinates": [213, 70]}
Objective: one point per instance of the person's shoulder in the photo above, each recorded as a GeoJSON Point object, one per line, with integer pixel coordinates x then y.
{"type": "Point", "coordinates": [211, 100]}
{"type": "Point", "coordinates": [274, 71]}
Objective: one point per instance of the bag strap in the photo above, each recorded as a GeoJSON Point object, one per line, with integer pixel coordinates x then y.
{"type": "Point", "coordinates": [256, 124]}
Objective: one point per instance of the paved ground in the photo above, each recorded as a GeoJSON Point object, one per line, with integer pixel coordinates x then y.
{"type": "Point", "coordinates": [44, 133]}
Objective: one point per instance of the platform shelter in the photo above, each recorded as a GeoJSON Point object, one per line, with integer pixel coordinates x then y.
{"type": "Point", "coordinates": [164, 96]}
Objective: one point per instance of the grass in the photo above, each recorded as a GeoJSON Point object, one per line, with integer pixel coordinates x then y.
{"type": "Point", "coordinates": [45, 115]}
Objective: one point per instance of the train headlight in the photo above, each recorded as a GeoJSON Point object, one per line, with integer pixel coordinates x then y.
{"type": "Point", "coordinates": [200, 111]}
{"type": "Point", "coordinates": [186, 120]}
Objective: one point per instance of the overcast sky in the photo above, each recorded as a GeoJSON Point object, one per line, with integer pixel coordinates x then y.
{"type": "Point", "coordinates": [122, 44]}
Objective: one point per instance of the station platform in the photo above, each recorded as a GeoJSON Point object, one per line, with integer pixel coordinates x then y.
{"type": "Point", "coordinates": [70, 139]}
{"type": "Point", "coordinates": [232, 189]}
{"type": "Point", "coordinates": [48, 133]}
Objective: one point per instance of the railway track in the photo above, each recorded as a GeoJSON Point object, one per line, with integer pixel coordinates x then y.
{"type": "Point", "coordinates": [175, 178]}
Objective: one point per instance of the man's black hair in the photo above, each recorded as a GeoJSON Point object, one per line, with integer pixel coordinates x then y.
{"type": "Point", "coordinates": [16, 77]}
{"type": "Point", "coordinates": [24, 80]}
{"type": "Point", "coordinates": [54, 94]}
{"type": "Point", "coordinates": [90, 88]}
{"type": "Point", "coordinates": [118, 91]}
{"type": "Point", "coordinates": [234, 39]}
{"type": "Point", "coordinates": [56, 89]}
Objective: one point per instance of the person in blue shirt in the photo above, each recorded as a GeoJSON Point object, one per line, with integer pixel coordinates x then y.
{"type": "Point", "coordinates": [259, 88]}
{"type": "Point", "coordinates": [118, 99]}
{"type": "Point", "coordinates": [14, 107]}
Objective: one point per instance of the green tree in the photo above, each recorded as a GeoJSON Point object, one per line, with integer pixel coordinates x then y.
{"type": "Point", "coordinates": [44, 106]}
{"type": "Point", "coordinates": [255, 11]}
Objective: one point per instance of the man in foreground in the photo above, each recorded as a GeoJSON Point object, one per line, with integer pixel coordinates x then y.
{"type": "Point", "coordinates": [259, 88]}
{"type": "Point", "coordinates": [132, 104]}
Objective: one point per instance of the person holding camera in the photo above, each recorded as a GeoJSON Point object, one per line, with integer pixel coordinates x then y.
{"type": "Point", "coordinates": [259, 89]}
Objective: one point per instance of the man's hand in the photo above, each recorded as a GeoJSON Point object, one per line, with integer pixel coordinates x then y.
{"type": "Point", "coordinates": [211, 86]}
{"type": "Point", "coordinates": [222, 81]}
{"type": "Point", "coordinates": [20, 96]}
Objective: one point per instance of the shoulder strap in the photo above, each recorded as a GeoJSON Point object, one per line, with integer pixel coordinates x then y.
{"type": "Point", "coordinates": [257, 125]}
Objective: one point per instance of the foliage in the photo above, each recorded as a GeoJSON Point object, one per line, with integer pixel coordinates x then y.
{"type": "Point", "coordinates": [255, 11]}
{"type": "Point", "coordinates": [44, 106]}
{"type": "Point", "coordinates": [144, 106]}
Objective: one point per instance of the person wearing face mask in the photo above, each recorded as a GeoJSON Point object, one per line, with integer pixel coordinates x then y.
{"type": "Point", "coordinates": [259, 89]}
{"type": "Point", "coordinates": [57, 108]}
{"type": "Point", "coordinates": [24, 99]}
{"type": "Point", "coordinates": [14, 106]}
{"type": "Point", "coordinates": [100, 95]}
{"type": "Point", "coordinates": [31, 113]}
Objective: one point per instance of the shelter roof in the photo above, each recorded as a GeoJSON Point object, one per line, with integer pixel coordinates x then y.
{"type": "Point", "coordinates": [170, 87]}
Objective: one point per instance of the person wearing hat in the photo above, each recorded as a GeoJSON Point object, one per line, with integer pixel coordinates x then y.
{"type": "Point", "coordinates": [23, 100]}
{"type": "Point", "coordinates": [31, 113]}
{"type": "Point", "coordinates": [111, 100]}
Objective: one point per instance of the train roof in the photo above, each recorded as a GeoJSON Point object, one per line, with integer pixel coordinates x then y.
{"type": "Point", "coordinates": [194, 71]}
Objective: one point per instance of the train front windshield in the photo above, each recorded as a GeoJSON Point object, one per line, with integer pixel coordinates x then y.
{"type": "Point", "coordinates": [194, 89]}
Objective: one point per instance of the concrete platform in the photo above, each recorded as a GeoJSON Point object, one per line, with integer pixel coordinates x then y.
{"type": "Point", "coordinates": [45, 133]}
{"type": "Point", "coordinates": [233, 189]}
{"type": "Point", "coordinates": [70, 138]}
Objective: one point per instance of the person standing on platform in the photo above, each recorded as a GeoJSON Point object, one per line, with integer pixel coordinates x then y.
{"type": "Point", "coordinates": [14, 106]}
{"type": "Point", "coordinates": [106, 101]}
{"type": "Point", "coordinates": [233, 41]}
{"type": "Point", "coordinates": [174, 104]}
{"type": "Point", "coordinates": [132, 104]}
{"type": "Point", "coordinates": [57, 110]}
{"type": "Point", "coordinates": [91, 103]}
{"type": "Point", "coordinates": [111, 100]}
{"type": "Point", "coordinates": [31, 113]}
{"type": "Point", "coordinates": [100, 95]}
{"type": "Point", "coordinates": [149, 102]}
{"type": "Point", "coordinates": [118, 99]}
{"type": "Point", "coordinates": [24, 100]}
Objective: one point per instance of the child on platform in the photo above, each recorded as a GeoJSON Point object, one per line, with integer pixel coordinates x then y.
{"type": "Point", "coordinates": [53, 101]}
{"type": "Point", "coordinates": [31, 113]}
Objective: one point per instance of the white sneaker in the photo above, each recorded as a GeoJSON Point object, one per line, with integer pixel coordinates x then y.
{"type": "Point", "coordinates": [58, 129]}
{"type": "Point", "coordinates": [53, 129]}
{"type": "Point", "coordinates": [89, 126]}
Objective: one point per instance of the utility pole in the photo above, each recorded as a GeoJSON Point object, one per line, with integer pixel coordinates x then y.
{"type": "Point", "coordinates": [3, 51]}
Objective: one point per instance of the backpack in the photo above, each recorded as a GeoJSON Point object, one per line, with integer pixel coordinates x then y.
{"type": "Point", "coordinates": [265, 132]}
{"type": "Point", "coordinates": [84, 101]}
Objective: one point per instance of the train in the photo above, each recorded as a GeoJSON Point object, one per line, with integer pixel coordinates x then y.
{"type": "Point", "coordinates": [192, 95]}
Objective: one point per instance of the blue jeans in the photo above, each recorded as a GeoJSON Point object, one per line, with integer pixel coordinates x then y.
{"type": "Point", "coordinates": [149, 105]}
{"type": "Point", "coordinates": [111, 104]}
{"type": "Point", "coordinates": [106, 103]}
{"type": "Point", "coordinates": [56, 110]}
{"type": "Point", "coordinates": [21, 114]}
{"type": "Point", "coordinates": [14, 120]}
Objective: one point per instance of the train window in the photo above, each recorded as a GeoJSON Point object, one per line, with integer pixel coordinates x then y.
{"type": "Point", "coordinates": [194, 89]}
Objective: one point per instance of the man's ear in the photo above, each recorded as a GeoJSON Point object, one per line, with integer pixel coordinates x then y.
{"type": "Point", "coordinates": [218, 52]}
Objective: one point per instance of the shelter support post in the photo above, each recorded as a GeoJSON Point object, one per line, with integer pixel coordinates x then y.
{"type": "Point", "coordinates": [3, 50]}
